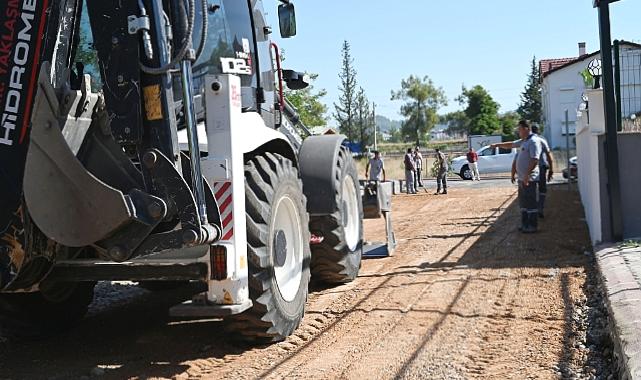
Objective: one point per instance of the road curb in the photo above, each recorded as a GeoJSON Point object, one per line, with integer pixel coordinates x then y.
{"type": "Point", "coordinates": [619, 270]}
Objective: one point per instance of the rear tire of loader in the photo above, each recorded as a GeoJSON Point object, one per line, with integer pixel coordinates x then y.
{"type": "Point", "coordinates": [277, 250]}
{"type": "Point", "coordinates": [57, 308]}
{"type": "Point", "coordinates": [337, 259]}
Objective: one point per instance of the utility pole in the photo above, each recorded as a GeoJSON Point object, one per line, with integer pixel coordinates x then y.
{"type": "Point", "coordinates": [375, 132]}
{"type": "Point", "coordinates": [609, 101]}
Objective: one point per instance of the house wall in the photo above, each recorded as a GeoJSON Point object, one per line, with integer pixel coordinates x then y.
{"type": "Point", "coordinates": [563, 89]}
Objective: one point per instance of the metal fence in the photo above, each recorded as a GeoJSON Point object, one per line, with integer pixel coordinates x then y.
{"type": "Point", "coordinates": [628, 84]}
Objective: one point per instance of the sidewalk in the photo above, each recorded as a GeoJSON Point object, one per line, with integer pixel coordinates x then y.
{"type": "Point", "coordinates": [620, 270]}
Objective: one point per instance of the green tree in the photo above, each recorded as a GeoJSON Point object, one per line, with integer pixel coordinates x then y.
{"type": "Point", "coordinates": [422, 102]}
{"type": "Point", "coordinates": [344, 111]}
{"type": "Point", "coordinates": [395, 135]}
{"type": "Point", "coordinates": [456, 121]}
{"type": "Point", "coordinates": [530, 107]}
{"type": "Point", "coordinates": [481, 111]}
{"type": "Point", "coordinates": [308, 103]}
{"type": "Point", "coordinates": [509, 121]}
{"type": "Point", "coordinates": [364, 119]}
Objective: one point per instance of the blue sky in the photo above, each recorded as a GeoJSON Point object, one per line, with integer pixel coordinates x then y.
{"type": "Point", "coordinates": [455, 42]}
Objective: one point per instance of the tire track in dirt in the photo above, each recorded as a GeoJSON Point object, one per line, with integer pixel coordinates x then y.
{"type": "Point", "coordinates": [465, 297]}
{"type": "Point", "coordinates": [326, 314]}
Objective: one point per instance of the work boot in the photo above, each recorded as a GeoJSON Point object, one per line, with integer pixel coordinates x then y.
{"type": "Point", "coordinates": [445, 191]}
{"type": "Point", "coordinates": [541, 205]}
{"type": "Point", "coordinates": [532, 222]}
{"type": "Point", "coordinates": [524, 220]}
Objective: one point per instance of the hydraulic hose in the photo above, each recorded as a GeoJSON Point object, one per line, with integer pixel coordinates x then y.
{"type": "Point", "coordinates": [203, 34]}
{"type": "Point", "coordinates": [191, 18]}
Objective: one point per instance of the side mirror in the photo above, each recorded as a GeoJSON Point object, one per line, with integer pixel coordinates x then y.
{"type": "Point", "coordinates": [295, 80]}
{"type": "Point", "coordinates": [287, 20]}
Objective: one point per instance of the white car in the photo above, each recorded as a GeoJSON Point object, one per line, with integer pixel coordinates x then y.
{"type": "Point", "coordinates": [497, 160]}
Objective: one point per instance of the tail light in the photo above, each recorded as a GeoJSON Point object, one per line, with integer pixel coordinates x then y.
{"type": "Point", "coordinates": [218, 257]}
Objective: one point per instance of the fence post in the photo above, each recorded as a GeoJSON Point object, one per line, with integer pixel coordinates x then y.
{"type": "Point", "coordinates": [609, 104]}
{"type": "Point", "coordinates": [617, 84]}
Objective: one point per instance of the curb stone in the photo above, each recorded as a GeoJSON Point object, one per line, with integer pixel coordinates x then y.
{"type": "Point", "coordinates": [617, 271]}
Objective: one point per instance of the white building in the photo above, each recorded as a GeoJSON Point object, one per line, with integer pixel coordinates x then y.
{"type": "Point", "coordinates": [563, 87]}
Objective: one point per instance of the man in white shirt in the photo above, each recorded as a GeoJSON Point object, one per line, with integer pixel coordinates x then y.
{"type": "Point", "coordinates": [375, 168]}
{"type": "Point", "coordinates": [418, 164]}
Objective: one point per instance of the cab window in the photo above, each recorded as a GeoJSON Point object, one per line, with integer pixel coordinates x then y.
{"type": "Point", "coordinates": [505, 151]}
{"type": "Point", "coordinates": [229, 48]}
{"type": "Point", "coordinates": [487, 152]}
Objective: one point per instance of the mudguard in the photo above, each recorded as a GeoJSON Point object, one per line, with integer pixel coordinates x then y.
{"type": "Point", "coordinates": [317, 160]}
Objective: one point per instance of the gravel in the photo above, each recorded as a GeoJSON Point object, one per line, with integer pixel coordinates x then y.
{"type": "Point", "coordinates": [593, 346]}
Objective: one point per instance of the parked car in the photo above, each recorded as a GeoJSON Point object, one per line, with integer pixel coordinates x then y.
{"type": "Point", "coordinates": [491, 160]}
{"type": "Point", "coordinates": [574, 169]}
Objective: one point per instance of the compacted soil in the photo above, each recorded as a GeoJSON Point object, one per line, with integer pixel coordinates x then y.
{"type": "Point", "coordinates": [465, 296]}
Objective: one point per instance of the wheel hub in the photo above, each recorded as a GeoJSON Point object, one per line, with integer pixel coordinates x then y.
{"type": "Point", "coordinates": [280, 248]}
{"type": "Point", "coordinates": [287, 247]}
{"type": "Point", "coordinates": [350, 217]}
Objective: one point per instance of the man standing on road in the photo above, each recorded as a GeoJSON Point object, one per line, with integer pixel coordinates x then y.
{"type": "Point", "coordinates": [546, 169]}
{"type": "Point", "coordinates": [410, 171]}
{"type": "Point", "coordinates": [526, 168]}
{"type": "Point", "coordinates": [418, 164]}
{"type": "Point", "coordinates": [441, 172]}
{"type": "Point", "coordinates": [472, 163]}
{"type": "Point", "coordinates": [375, 168]}
{"type": "Point", "coordinates": [546, 162]}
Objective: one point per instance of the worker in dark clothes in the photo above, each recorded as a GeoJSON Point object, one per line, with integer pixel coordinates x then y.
{"type": "Point", "coordinates": [410, 171]}
{"type": "Point", "coordinates": [546, 165]}
{"type": "Point", "coordinates": [441, 172]}
{"type": "Point", "coordinates": [526, 168]}
{"type": "Point", "coordinates": [546, 169]}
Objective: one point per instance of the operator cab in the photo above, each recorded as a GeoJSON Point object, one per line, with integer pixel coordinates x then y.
{"type": "Point", "coordinates": [238, 43]}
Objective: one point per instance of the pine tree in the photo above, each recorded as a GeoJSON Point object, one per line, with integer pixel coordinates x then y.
{"type": "Point", "coordinates": [530, 107]}
{"type": "Point", "coordinates": [364, 119]}
{"type": "Point", "coordinates": [345, 109]}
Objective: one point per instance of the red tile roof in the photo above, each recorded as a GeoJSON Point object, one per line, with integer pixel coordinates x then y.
{"type": "Point", "coordinates": [546, 65]}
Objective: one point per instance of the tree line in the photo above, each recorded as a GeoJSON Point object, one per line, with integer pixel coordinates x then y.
{"type": "Point", "coordinates": [422, 99]}
{"type": "Point", "coordinates": [355, 115]}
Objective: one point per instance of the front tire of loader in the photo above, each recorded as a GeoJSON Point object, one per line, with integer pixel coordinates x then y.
{"type": "Point", "coordinates": [337, 259]}
{"type": "Point", "coordinates": [277, 250]}
{"type": "Point", "coordinates": [53, 309]}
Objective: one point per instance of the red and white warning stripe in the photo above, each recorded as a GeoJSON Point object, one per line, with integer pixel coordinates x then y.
{"type": "Point", "coordinates": [223, 194]}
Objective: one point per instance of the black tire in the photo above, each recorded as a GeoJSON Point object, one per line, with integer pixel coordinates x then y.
{"type": "Point", "coordinates": [466, 173]}
{"type": "Point", "coordinates": [333, 260]}
{"type": "Point", "coordinates": [56, 308]}
{"type": "Point", "coordinates": [270, 179]}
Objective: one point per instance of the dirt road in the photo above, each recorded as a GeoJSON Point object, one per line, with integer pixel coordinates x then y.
{"type": "Point", "coordinates": [465, 296]}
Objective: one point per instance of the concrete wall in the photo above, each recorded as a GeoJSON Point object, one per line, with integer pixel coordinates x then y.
{"type": "Point", "coordinates": [593, 180]}
{"type": "Point", "coordinates": [587, 141]}
{"type": "Point", "coordinates": [629, 146]}
{"type": "Point", "coordinates": [630, 181]}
